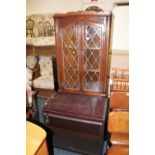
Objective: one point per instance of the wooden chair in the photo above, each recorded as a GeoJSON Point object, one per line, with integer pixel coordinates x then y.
{"type": "Point", "coordinates": [120, 79]}
{"type": "Point", "coordinates": [119, 101]}
{"type": "Point", "coordinates": [118, 127]}
{"type": "Point", "coordinates": [119, 90]}
{"type": "Point", "coordinates": [29, 27]}
{"type": "Point", "coordinates": [118, 121]}
{"type": "Point", "coordinates": [118, 150]}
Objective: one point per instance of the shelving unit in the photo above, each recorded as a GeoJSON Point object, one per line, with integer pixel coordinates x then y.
{"type": "Point", "coordinates": [46, 50]}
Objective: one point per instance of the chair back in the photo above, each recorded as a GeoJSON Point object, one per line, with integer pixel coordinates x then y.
{"type": "Point", "coordinates": [118, 122]}
{"type": "Point", "coordinates": [119, 101]}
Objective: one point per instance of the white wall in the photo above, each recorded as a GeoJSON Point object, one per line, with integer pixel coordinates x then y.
{"type": "Point", "coordinates": [120, 28]}
{"type": "Point", "coordinates": [119, 32]}
{"type": "Point", "coordinates": [106, 5]}
{"type": "Point", "coordinates": [119, 38]}
{"type": "Point", "coordinates": [55, 6]}
{"type": "Point", "coordinates": [52, 6]}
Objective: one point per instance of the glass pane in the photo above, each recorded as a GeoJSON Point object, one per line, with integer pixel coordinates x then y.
{"type": "Point", "coordinates": [70, 57]}
{"type": "Point", "coordinates": [92, 48]}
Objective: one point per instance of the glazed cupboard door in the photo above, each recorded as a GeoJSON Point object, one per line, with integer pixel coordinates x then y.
{"type": "Point", "coordinates": [93, 40]}
{"type": "Point", "coordinates": [82, 43]}
{"type": "Point", "coordinates": [70, 57]}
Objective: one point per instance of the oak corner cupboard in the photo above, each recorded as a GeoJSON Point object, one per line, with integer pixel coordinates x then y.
{"type": "Point", "coordinates": [78, 112]}
{"type": "Point", "coordinates": [82, 42]}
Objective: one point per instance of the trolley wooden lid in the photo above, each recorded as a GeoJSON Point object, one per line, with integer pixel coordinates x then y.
{"type": "Point", "coordinates": [90, 108]}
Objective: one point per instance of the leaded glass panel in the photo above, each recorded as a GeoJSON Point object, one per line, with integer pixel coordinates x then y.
{"type": "Point", "coordinates": [92, 48]}
{"type": "Point", "coordinates": [70, 57]}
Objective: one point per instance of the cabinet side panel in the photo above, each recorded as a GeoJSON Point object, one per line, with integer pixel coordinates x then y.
{"type": "Point", "coordinates": [57, 45]}
{"type": "Point", "coordinates": [106, 54]}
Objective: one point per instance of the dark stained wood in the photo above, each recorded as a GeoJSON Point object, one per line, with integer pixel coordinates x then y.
{"type": "Point", "coordinates": [80, 93]}
{"type": "Point", "coordinates": [83, 146]}
{"type": "Point", "coordinates": [120, 4]}
{"type": "Point", "coordinates": [75, 128]}
{"type": "Point", "coordinates": [106, 54]}
{"type": "Point", "coordinates": [79, 116]}
{"type": "Point", "coordinates": [79, 109]}
{"type": "Point", "coordinates": [89, 108]}
{"type": "Point", "coordinates": [57, 51]}
{"type": "Point", "coordinates": [78, 20]}
{"type": "Point", "coordinates": [82, 13]}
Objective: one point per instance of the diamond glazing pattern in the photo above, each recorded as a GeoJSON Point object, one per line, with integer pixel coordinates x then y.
{"type": "Point", "coordinates": [71, 56]}
{"type": "Point", "coordinates": [92, 47]}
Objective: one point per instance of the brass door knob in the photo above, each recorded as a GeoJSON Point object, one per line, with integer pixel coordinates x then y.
{"type": "Point", "coordinates": [73, 52]}
{"type": "Point", "coordinates": [69, 46]}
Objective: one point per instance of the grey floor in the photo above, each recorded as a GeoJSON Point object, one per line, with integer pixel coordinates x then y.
{"type": "Point", "coordinates": [58, 151]}
{"type": "Point", "coordinates": [64, 152]}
